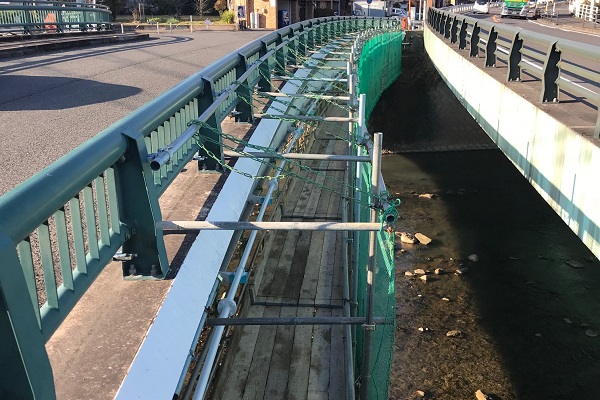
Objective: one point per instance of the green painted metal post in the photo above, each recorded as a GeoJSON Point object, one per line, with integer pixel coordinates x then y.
{"type": "Point", "coordinates": [264, 71]}
{"type": "Point", "coordinates": [26, 371]}
{"type": "Point", "coordinates": [454, 30]}
{"type": "Point", "coordinates": [474, 51]}
{"type": "Point", "coordinates": [279, 56]}
{"type": "Point", "coordinates": [212, 130]}
{"type": "Point", "coordinates": [301, 48]}
{"type": "Point", "coordinates": [550, 75]}
{"type": "Point", "coordinates": [490, 48]}
{"type": "Point", "coordinates": [310, 42]}
{"type": "Point", "coordinates": [140, 212]}
{"type": "Point", "coordinates": [292, 49]}
{"type": "Point", "coordinates": [462, 36]}
{"type": "Point", "coordinates": [244, 92]}
{"type": "Point", "coordinates": [514, 59]}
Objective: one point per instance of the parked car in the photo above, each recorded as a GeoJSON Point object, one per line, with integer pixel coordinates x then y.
{"type": "Point", "coordinates": [481, 7]}
{"type": "Point", "coordinates": [399, 13]}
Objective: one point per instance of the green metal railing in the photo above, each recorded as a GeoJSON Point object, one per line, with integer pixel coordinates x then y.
{"type": "Point", "coordinates": [102, 197]}
{"type": "Point", "coordinates": [49, 16]}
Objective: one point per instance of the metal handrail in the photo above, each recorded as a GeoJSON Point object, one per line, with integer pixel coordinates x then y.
{"type": "Point", "coordinates": [49, 16]}
{"type": "Point", "coordinates": [557, 63]}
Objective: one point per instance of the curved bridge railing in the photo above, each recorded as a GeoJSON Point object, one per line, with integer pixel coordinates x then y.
{"type": "Point", "coordinates": [557, 64]}
{"type": "Point", "coordinates": [60, 228]}
{"type": "Point", "coordinates": [31, 17]}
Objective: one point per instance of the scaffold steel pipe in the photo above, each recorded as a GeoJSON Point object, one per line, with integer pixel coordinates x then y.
{"type": "Point", "coordinates": [171, 227]}
{"type": "Point", "coordinates": [292, 321]}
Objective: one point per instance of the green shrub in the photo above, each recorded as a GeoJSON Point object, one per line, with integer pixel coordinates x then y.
{"type": "Point", "coordinates": [155, 20]}
{"type": "Point", "coordinates": [227, 17]}
{"type": "Point", "coordinates": [172, 21]}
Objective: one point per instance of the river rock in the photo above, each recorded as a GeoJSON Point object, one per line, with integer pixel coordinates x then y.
{"type": "Point", "coordinates": [420, 271]}
{"type": "Point", "coordinates": [445, 299]}
{"type": "Point", "coordinates": [409, 274]}
{"type": "Point", "coordinates": [426, 195]}
{"type": "Point", "coordinates": [424, 278]}
{"type": "Point", "coordinates": [420, 393]}
{"type": "Point", "coordinates": [479, 395]}
{"type": "Point", "coordinates": [406, 237]}
{"type": "Point", "coordinates": [453, 333]}
{"type": "Point", "coordinates": [473, 257]}
{"type": "Point", "coordinates": [462, 271]}
{"type": "Point", "coordinates": [438, 271]}
{"type": "Point", "coordinates": [574, 264]}
{"type": "Point", "coordinates": [422, 238]}
{"type": "Point", "coordinates": [590, 333]}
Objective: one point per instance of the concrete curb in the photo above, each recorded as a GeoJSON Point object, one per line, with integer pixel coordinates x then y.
{"type": "Point", "coordinates": [28, 47]}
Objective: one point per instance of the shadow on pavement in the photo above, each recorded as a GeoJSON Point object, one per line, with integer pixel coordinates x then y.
{"type": "Point", "coordinates": [57, 92]}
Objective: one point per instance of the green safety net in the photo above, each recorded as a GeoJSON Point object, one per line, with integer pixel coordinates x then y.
{"type": "Point", "coordinates": [379, 65]}
{"type": "Point", "coordinates": [384, 303]}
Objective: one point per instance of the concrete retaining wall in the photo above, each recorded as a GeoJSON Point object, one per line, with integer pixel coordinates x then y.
{"type": "Point", "coordinates": [559, 163]}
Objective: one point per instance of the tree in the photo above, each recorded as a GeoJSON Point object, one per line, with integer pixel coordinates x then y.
{"type": "Point", "coordinates": [115, 6]}
{"type": "Point", "coordinates": [220, 6]}
{"type": "Point", "coordinates": [202, 7]}
{"type": "Point", "coordinates": [174, 4]}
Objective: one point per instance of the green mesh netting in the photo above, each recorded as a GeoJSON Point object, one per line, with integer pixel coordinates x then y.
{"type": "Point", "coordinates": [379, 66]}
{"type": "Point", "coordinates": [384, 304]}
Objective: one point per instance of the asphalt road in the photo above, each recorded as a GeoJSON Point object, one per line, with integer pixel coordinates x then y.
{"type": "Point", "coordinates": [51, 103]}
{"type": "Point", "coordinates": [535, 26]}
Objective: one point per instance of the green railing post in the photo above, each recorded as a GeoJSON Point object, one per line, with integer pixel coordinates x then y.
{"type": "Point", "coordinates": [279, 56]}
{"type": "Point", "coordinates": [145, 251]}
{"type": "Point", "coordinates": [26, 372]}
{"type": "Point", "coordinates": [490, 48]}
{"type": "Point", "coordinates": [292, 49]}
{"type": "Point", "coordinates": [474, 50]}
{"type": "Point", "coordinates": [514, 64]}
{"type": "Point", "coordinates": [550, 75]}
{"type": "Point", "coordinates": [264, 70]}
{"type": "Point", "coordinates": [462, 42]}
{"type": "Point", "coordinates": [244, 92]}
{"type": "Point", "coordinates": [302, 37]}
{"type": "Point", "coordinates": [212, 130]}
{"type": "Point", "coordinates": [310, 40]}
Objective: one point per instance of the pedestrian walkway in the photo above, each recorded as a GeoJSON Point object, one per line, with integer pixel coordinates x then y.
{"type": "Point", "coordinates": [562, 19]}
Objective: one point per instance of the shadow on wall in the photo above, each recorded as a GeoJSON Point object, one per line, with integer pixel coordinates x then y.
{"type": "Point", "coordinates": [57, 92]}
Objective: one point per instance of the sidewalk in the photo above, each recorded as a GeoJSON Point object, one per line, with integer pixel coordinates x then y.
{"type": "Point", "coordinates": [562, 19]}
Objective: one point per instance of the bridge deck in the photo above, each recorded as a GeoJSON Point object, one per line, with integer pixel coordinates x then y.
{"type": "Point", "coordinates": [299, 274]}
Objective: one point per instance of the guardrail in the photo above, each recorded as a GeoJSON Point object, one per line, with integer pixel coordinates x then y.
{"type": "Point", "coordinates": [558, 64]}
{"type": "Point", "coordinates": [60, 228]}
{"type": "Point", "coordinates": [48, 16]}
{"type": "Point", "coordinates": [587, 13]}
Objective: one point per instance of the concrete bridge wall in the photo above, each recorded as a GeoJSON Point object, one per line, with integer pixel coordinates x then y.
{"type": "Point", "coordinates": [559, 163]}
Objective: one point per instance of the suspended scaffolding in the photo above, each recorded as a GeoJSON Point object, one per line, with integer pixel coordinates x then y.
{"type": "Point", "coordinates": [320, 101]}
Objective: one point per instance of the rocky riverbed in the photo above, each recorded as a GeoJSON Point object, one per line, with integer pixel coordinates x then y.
{"type": "Point", "coordinates": [504, 299]}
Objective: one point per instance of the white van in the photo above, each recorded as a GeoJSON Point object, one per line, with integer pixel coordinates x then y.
{"type": "Point", "coordinates": [481, 7]}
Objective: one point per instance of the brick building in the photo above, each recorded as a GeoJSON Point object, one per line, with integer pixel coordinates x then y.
{"type": "Point", "coordinates": [274, 14]}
